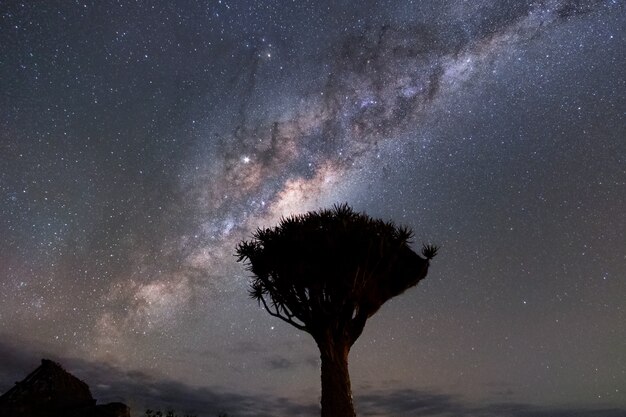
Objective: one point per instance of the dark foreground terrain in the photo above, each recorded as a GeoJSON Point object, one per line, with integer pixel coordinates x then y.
{"type": "Point", "coordinates": [51, 391]}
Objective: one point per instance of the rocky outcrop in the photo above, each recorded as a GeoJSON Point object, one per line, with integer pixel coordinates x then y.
{"type": "Point", "coordinates": [51, 391]}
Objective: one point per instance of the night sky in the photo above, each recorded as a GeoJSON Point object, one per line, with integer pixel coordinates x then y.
{"type": "Point", "coordinates": [140, 141]}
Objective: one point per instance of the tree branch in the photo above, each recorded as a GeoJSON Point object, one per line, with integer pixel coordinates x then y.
{"type": "Point", "coordinates": [285, 319]}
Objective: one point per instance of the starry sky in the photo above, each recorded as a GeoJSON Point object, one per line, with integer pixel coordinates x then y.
{"type": "Point", "coordinates": [140, 141]}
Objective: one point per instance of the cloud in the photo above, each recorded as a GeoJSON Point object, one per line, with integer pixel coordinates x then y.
{"type": "Point", "coordinates": [407, 401]}
{"type": "Point", "coordinates": [141, 390]}
{"type": "Point", "coordinates": [410, 402]}
{"type": "Point", "coordinates": [280, 363]}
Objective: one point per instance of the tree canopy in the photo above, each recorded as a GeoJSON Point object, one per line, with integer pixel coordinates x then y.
{"type": "Point", "coordinates": [332, 265]}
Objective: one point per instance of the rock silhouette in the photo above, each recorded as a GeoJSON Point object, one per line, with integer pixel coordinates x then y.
{"type": "Point", "coordinates": [51, 391]}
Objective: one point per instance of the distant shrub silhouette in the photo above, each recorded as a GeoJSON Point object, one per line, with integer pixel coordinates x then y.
{"type": "Point", "coordinates": [172, 413]}
{"type": "Point", "coordinates": [326, 272]}
{"type": "Point", "coordinates": [168, 413]}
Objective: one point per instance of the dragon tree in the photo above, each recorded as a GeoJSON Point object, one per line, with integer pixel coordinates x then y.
{"type": "Point", "coordinates": [326, 272]}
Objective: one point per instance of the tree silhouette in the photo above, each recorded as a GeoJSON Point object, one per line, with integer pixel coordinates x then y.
{"type": "Point", "coordinates": [326, 272]}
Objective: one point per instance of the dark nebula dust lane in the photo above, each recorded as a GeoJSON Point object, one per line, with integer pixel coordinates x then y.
{"type": "Point", "coordinates": [140, 142]}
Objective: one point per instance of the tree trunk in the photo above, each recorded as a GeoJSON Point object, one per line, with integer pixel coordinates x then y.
{"type": "Point", "coordinates": [336, 391]}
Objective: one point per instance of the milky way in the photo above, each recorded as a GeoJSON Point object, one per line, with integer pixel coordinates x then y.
{"type": "Point", "coordinates": [141, 142]}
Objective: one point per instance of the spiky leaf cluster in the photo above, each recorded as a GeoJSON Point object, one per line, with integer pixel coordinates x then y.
{"type": "Point", "coordinates": [330, 267]}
